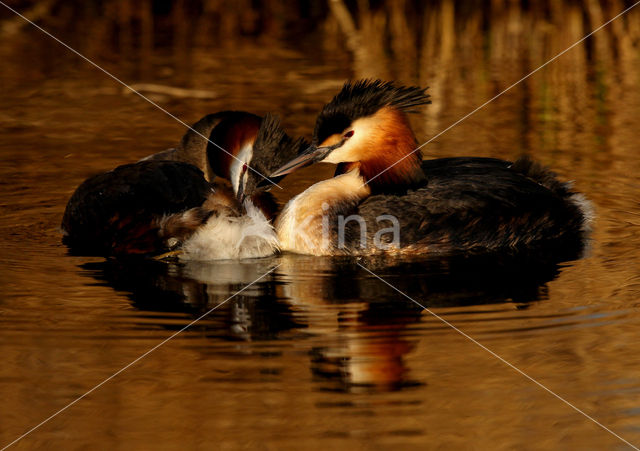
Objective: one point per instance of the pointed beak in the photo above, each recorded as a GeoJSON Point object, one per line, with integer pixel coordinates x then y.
{"type": "Point", "coordinates": [268, 182]}
{"type": "Point", "coordinates": [310, 155]}
{"type": "Point", "coordinates": [240, 195]}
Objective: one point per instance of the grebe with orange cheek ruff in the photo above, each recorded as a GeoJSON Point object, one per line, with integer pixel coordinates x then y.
{"type": "Point", "coordinates": [175, 202]}
{"type": "Point", "coordinates": [444, 206]}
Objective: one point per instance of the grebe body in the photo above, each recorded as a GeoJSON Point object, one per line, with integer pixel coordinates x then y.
{"type": "Point", "coordinates": [159, 205]}
{"type": "Point", "coordinates": [385, 199]}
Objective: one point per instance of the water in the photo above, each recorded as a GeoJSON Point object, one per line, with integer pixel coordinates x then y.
{"type": "Point", "coordinates": [318, 352]}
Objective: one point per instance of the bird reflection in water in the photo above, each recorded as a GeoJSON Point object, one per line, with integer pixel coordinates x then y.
{"type": "Point", "coordinates": [358, 331]}
{"type": "Point", "coordinates": [194, 288]}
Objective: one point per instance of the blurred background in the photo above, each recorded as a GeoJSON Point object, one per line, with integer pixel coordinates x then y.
{"type": "Point", "coordinates": [463, 50]}
{"type": "Point", "coordinates": [319, 353]}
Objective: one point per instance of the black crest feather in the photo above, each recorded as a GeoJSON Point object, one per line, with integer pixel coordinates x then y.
{"type": "Point", "coordinates": [272, 149]}
{"type": "Point", "coordinates": [363, 98]}
{"type": "Point", "coordinates": [271, 134]}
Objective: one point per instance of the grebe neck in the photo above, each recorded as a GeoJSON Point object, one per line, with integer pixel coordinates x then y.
{"type": "Point", "coordinates": [300, 225]}
{"type": "Point", "coordinates": [389, 160]}
{"type": "Point", "coordinates": [234, 136]}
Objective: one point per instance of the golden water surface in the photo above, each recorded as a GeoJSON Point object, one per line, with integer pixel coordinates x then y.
{"type": "Point", "coordinates": [319, 353]}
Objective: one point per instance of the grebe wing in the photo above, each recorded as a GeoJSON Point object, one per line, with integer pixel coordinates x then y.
{"type": "Point", "coordinates": [480, 203]}
{"type": "Point", "coordinates": [524, 166]}
{"type": "Point", "coordinates": [463, 164]}
{"type": "Point", "coordinates": [118, 211]}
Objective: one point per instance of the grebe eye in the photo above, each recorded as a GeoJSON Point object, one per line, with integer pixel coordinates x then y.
{"type": "Point", "coordinates": [244, 167]}
{"type": "Point", "coordinates": [349, 134]}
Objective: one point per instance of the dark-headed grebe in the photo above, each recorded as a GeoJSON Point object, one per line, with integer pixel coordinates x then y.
{"type": "Point", "coordinates": [167, 202]}
{"type": "Point", "coordinates": [224, 157]}
{"type": "Point", "coordinates": [384, 198]}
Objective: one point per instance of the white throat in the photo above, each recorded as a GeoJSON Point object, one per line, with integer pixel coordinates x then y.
{"type": "Point", "coordinates": [300, 227]}
{"type": "Point", "coordinates": [235, 172]}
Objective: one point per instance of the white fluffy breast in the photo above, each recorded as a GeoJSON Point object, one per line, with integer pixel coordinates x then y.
{"type": "Point", "coordinates": [231, 237]}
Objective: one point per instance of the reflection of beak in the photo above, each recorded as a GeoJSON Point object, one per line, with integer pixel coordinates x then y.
{"type": "Point", "coordinates": [311, 155]}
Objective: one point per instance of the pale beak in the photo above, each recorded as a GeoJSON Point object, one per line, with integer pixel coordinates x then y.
{"type": "Point", "coordinates": [311, 155]}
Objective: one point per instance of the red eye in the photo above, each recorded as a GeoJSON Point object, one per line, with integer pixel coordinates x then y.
{"type": "Point", "coordinates": [349, 134]}
{"type": "Point", "coordinates": [244, 167]}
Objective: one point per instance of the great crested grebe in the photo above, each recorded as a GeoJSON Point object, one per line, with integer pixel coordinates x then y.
{"type": "Point", "coordinates": [384, 198]}
{"type": "Point", "coordinates": [224, 156]}
{"type": "Point", "coordinates": [166, 203]}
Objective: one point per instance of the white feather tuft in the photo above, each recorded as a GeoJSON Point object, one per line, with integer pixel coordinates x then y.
{"type": "Point", "coordinates": [586, 208]}
{"type": "Point", "coordinates": [232, 237]}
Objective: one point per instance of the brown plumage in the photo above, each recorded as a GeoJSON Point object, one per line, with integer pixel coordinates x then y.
{"type": "Point", "coordinates": [155, 205]}
{"type": "Point", "coordinates": [448, 205]}
{"type": "Point", "coordinates": [121, 211]}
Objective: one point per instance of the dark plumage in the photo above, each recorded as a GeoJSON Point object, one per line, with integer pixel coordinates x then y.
{"type": "Point", "coordinates": [120, 211]}
{"type": "Point", "coordinates": [363, 98]}
{"type": "Point", "coordinates": [449, 205]}
{"type": "Point", "coordinates": [477, 205]}
{"type": "Point", "coordinates": [272, 136]}
{"type": "Point", "coordinates": [210, 142]}
{"type": "Point", "coordinates": [233, 131]}
{"type": "Point", "coordinates": [227, 131]}
{"type": "Point", "coordinates": [154, 205]}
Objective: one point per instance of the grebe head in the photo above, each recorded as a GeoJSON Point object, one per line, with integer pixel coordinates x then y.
{"type": "Point", "coordinates": [271, 149]}
{"type": "Point", "coordinates": [244, 149]}
{"type": "Point", "coordinates": [365, 126]}
{"type": "Point", "coordinates": [230, 146]}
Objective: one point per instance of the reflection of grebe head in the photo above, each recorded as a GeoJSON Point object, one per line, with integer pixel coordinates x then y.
{"type": "Point", "coordinates": [365, 126]}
